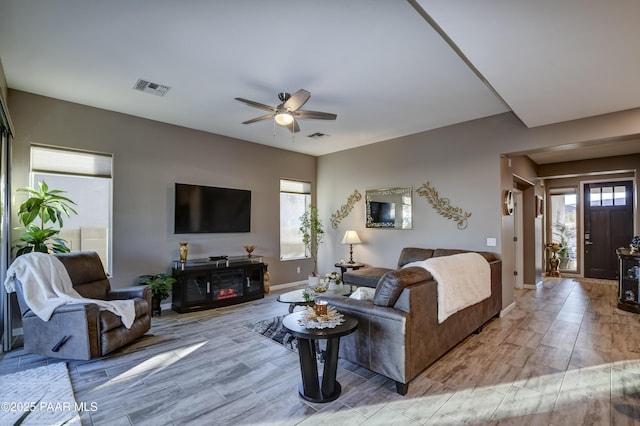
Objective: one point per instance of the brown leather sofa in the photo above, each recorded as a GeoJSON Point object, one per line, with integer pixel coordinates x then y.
{"type": "Point", "coordinates": [398, 332]}
{"type": "Point", "coordinates": [83, 331]}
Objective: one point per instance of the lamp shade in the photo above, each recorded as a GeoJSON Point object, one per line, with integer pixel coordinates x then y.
{"type": "Point", "coordinates": [351, 237]}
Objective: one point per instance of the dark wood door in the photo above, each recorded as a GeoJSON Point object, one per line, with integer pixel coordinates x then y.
{"type": "Point", "coordinates": [608, 224]}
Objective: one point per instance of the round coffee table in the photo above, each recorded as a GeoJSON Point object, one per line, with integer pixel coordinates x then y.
{"type": "Point", "coordinates": [295, 297]}
{"type": "Point", "coordinates": [312, 387]}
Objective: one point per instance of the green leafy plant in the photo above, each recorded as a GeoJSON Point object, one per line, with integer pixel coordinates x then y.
{"type": "Point", "coordinates": [312, 234]}
{"type": "Point", "coordinates": [43, 206]}
{"type": "Point", "coordinates": [160, 284]}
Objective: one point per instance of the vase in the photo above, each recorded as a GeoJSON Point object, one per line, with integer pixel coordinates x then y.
{"type": "Point", "coordinates": [184, 250]}
{"type": "Point", "coordinates": [334, 286]}
{"type": "Point", "coordinates": [314, 280]}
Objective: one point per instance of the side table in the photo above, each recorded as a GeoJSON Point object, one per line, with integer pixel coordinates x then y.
{"type": "Point", "coordinates": [344, 266]}
{"type": "Point", "coordinates": [312, 387]}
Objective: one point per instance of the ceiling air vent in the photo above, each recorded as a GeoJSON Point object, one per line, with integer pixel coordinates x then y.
{"type": "Point", "coordinates": [149, 87]}
{"type": "Point", "coordinates": [316, 135]}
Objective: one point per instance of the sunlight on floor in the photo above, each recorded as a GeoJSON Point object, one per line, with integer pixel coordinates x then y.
{"type": "Point", "coordinates": [508, 400]}
{"type": "Point", "coordinates": [156, 363]}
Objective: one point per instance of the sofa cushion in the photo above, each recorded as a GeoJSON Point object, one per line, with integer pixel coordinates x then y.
{"type": "Point", "coordinates": [413, 254]}
{"type": "Point", "coordinates": [393, 282]}
{"type": "Point", "coordinates": [365, 277]}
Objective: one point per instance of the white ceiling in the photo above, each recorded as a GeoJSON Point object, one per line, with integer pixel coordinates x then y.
{"type": "Point", "coordinates": [378, 64]}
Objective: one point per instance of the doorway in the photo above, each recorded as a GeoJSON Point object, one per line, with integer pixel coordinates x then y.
{"type": "Point", "coordinates": [608, 224]}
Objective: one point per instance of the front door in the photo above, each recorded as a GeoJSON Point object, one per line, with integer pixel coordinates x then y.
{"type": "Point", "coordinates": [608, 224]}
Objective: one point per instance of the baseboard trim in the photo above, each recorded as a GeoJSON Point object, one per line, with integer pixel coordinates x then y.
{"type": "Point", "coordinates": [508, 309]}
{"type": "Point", "coordinates": [532, 286]}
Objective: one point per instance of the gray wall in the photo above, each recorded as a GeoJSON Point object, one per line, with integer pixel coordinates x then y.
{"type": "Point", "coordinates": [465, 163]}
{"type": "Point", "coordinates": [149, 157]}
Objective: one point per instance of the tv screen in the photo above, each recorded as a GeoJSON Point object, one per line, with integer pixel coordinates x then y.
{"type": "Point", "coordinates": [383, 212]}
{"type": "Point", "coordinates": [207, 209]}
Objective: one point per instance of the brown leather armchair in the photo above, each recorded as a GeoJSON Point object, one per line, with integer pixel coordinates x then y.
{"type": "Point", "coordinates": [83, 331]}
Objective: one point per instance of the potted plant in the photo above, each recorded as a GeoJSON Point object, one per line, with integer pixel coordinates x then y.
{"type": "Point", "coordinates": [312, 234]}
{"type": "Point", "coordinates": [44, 205]}
{"type": "Point", "coordinates": [160, 289]}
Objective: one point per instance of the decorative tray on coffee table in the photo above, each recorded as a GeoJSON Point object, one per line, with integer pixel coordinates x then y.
{"type": "Point", "coordinates": [310, 319]}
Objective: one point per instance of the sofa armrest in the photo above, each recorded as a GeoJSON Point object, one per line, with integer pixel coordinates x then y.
{"type": "Point", "coordinates": [140, 291]}
{"type": "Point", "coordinates": [66, 309]}
{"type": "Point", "coordinates": [364, 277]}
{"type": "Point", "coordinates": [362, 307]}
{"type": "Point", "coordinates": [73, 332]}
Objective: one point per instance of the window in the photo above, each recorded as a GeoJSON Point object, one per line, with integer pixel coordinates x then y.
{"type": "Point", "coordinates": [563, 226]}
{"type": "Point", "coordinates": [607, 196]}
{"type": "Point", "coordinates": [295, 197]}
{"type": "Point", "coordinates": [86, 179]}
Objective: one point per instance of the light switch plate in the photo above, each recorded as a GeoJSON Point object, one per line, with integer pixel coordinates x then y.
{"type": "Point", "coordinates": [491, 242]}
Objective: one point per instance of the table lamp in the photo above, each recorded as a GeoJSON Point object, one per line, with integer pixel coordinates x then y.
{"type": "Point", "coordinates": [351, 238]}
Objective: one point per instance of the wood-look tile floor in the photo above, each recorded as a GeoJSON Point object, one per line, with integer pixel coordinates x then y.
{"type": "Point", "coordinates": [564, 356]}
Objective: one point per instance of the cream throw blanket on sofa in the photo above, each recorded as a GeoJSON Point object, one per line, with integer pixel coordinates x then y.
{"type": "Point", "coordinates": [46, 285]}
{"type": "Point", "coordinates": [463, 280]}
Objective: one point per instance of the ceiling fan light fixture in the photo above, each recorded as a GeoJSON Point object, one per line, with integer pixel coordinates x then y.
{"type": "Point", "coordinates": [284, 118]}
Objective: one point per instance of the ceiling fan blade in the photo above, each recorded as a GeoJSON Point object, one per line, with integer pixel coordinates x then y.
{"type": "Point", "coordinates": [264, 117]}
{"type": "Point", "coordinates": [304, 114]}
{"type": "Point", "coordinates": [256, 104]}
{"type": "Point", "coordinates": [297, 100]}
{"type": "Point", "coordinates": [293, 127]}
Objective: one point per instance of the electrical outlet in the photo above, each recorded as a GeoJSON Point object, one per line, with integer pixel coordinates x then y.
{"type": "Point", "coordinates": [298, 270]}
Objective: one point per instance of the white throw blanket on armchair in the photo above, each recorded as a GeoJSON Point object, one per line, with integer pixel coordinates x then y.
{"type": "Point", "coordinates": [463, 280]}
{"type": "Point", "coordinates": [46, 285]}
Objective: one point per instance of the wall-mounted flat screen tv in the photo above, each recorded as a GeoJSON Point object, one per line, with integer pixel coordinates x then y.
{"type": "Point", "coordinates": [383, 213]}
{"type": "Point", "coordinates": [207, 209]}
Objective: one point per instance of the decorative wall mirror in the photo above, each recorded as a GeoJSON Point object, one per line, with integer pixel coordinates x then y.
{"type": "Point", "coordinates": [389, 208]}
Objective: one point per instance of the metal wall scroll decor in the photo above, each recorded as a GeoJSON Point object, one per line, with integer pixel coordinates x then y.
{"type": "Point", "coordinates": [443, 206]}
{"type": "Point", "coordinates": [345, 209]}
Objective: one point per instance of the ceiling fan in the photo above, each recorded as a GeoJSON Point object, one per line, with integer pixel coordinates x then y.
{"type": "Point", "coordinates": [286, 113]}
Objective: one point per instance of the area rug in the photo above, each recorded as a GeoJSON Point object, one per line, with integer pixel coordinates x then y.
{"type": "Point", "coordinates": [273, 329]}
{"type": "Point", "coordinates": [39, 396]}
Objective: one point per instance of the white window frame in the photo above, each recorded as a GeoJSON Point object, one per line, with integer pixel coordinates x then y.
{"type": "Point", "coordinates": [60, 161]}
{"type": "Point", "coordinates": [289, 220]}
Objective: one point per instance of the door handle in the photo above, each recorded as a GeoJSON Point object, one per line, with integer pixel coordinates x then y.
{"type": "Point", "coordinates": [588, 243]}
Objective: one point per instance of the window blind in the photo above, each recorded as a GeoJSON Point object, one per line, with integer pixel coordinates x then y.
{"type": "Point", "coordinates": [46, 159]}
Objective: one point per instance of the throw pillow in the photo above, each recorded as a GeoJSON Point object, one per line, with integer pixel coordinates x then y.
{"type": "Point", "coordinates": [363, 293]}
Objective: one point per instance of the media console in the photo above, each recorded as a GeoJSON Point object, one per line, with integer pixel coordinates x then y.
{"type": "Point", "coordinates": [205, 284]}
